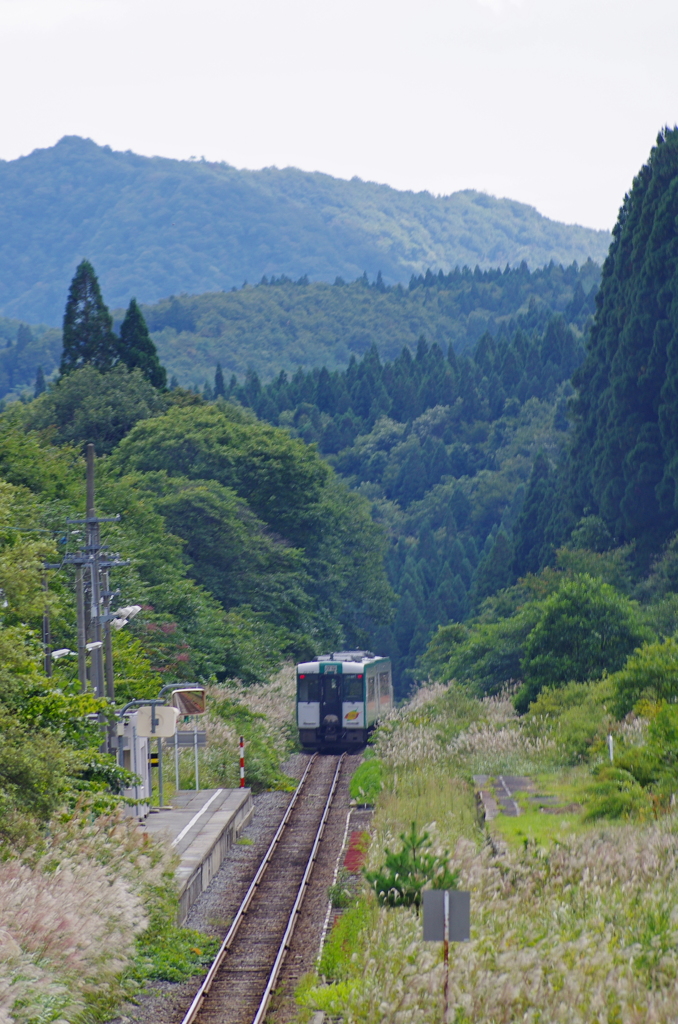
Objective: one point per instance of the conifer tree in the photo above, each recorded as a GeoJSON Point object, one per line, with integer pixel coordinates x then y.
{"type": "Point", "coordinates": [137, 349]}
{"type": "Point", "coordinates": [40, 383]}
{"type": "Point", "coordinates": [530, 532]}
{"type": "Point", "coordinates": [88, 326]}
{"type": "Point", "coordinates": [219, 385]}
{"type": "Point", "coordinates": [624, 458]}
{"type": "Point", "coordinates": [24, 336]}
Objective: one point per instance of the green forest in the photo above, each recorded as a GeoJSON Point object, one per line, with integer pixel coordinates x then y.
{"type": "Point", "coordinates": [155, 226]}
{"type": "Point", "coordinates": [280, 324]}
{"type": "Point", "coordinates": [442, 444]}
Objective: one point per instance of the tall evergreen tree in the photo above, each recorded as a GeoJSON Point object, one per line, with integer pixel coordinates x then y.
{"type": "Point", "coordinates": [137, 349]}
{"type": "Point", "coordinates": [88, 326]}
{"type": "Point", "coordinates": [219, 385]}
{"type": "Point", "coordinates": [624, 460]}
{"type": "Point", "coordinates": [24, 336]}
{"type": "Point", "coordinates": [40, 383]}
{"type": "Point", "coordinates": [530, 532]}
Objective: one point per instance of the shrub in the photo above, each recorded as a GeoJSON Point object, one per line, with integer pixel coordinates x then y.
{"type": "Point", "coordinates": [615, 793]}
{"type": "Point", "coordinates": [575, 716]}
{"type": "Point", "coordinates": [651, 672]}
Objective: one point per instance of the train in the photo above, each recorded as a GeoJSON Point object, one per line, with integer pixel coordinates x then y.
{"type": "Point", "coordinates": [341, 697]}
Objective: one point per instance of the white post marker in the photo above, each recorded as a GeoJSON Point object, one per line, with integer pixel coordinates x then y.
{"type": "Point", "coordinates": [610, 746]}
{"type": "Point", "coordinates": [242, 762]}
{"type": "Point", "coordinates": [195, 747]}
{"type": "Point", "coordinates": [176, 761]}
{"type": "Point", "coordinates": [447, 918]}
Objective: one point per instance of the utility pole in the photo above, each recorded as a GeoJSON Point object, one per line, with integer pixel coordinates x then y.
{"type": "Point", "coordinates": [92, 581]}
{"type": "Point", "coordinates": [93, 548]}
{"type": "Point", "coordinates": [46, 637]}
{"type": "Point", "coordinates": [82, 630]}
{"type": "Point", "coordinates": [106, 595]}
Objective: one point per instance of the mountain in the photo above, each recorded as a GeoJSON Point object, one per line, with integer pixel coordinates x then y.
{"type": "Point", "coordinates": [154, 226]}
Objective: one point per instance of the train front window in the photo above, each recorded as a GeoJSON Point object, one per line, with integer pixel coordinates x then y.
{"type": "Point", "coordinates": [308, 688]}
{"type": "Point", "coordinates": [330, 689]}
{"type": "Point", "coordinates": [353, 687]}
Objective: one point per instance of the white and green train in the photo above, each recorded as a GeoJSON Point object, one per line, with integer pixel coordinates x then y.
{"type": "Point", "coordinates": [341, 697]}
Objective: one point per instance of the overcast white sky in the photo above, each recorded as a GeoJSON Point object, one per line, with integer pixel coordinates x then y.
{"type": "Point", "coordinates": [552, 102]}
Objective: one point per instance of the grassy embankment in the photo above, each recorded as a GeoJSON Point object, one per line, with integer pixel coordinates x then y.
{"type": "Point", "coordinates": [574, 917]}
{"type": "Point", "coordinates": [88, 911]}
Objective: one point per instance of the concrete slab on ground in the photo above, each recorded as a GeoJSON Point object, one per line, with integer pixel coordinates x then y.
{"type": "Point", "coordinates": [201, 826]}
{"type": "Point", "coordinates": [498, 793]}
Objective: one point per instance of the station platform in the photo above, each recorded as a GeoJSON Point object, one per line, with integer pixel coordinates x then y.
{"type": "Point", "coordinates": [201, 826]}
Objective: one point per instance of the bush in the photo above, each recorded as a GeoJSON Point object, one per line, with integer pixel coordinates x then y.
{"type": "Point", "coordinates": [616, 794]}
{"type": "Point", "coordinates": [651, 673]}
{"type": "Point", "coordinates": [576, 716]}
{"type": "Point", "coordinates": [339, 894]}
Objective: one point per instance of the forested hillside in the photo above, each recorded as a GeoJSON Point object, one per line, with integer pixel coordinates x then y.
{"type": "Point", "coordinates": [443, 445]}
{"type": "Point", "coordinates": [622, 463]}
{"type": "Point", "coordinates": [154, 227]}
{"type": "Point", "coordinates": [440, 437]}
{"type": "Point", "coordinates": [584, 586]}
{"type": "Point", "coordinates": [283, 325]}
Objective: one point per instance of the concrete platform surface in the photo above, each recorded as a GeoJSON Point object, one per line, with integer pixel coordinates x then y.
{"type": "Point", "coordinates": [201, 826]}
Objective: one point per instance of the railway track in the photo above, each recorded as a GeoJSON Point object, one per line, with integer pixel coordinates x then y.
{"type": "Point", "coordinates": [238, 986]}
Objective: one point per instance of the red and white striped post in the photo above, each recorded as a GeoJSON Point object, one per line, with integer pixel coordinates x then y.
{"type": "Point", "coordinates": [242, 761]}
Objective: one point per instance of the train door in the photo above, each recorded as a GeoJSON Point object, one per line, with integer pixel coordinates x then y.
{"type": "Point", "coordinates": [330, 701]}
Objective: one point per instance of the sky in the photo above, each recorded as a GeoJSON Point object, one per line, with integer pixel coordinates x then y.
{"type": "Point", "coordinates": [555, 103]}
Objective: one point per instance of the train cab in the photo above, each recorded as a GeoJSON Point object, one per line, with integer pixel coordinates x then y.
{"type": "Point", "coordinates": [340, 698]}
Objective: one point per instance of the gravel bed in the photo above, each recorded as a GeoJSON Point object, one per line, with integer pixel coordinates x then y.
{"type": "Point", "coordinates": [295, 765]}
{"type": "Point", "coordinates": [215, 908]}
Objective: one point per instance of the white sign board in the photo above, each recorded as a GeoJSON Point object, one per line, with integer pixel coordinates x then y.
{"type": "Point", "coordinates": [165, 722]}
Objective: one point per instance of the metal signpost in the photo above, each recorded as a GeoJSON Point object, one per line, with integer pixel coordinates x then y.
{"type": "Point", "coordinates": [447, 918]}
{"type": "Point", "coordinates": [155, 721]}
{"type": "Point", "coordinates": [189, 702]}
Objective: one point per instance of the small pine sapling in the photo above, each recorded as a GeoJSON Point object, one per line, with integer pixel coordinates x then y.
{"type": "Point", "coordinates": [402, 877]}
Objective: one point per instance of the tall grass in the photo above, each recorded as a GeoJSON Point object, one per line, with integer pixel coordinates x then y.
{"type": "Point", "coordinates": [70, 912]}
{"type": "Point", "coordinates": [585, 932]}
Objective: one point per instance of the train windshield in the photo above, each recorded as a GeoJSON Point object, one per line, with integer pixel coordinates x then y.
{"type": "Point", "coordinates": [353, 687]}
{"type": "Point", "coordinates": [309, 688]}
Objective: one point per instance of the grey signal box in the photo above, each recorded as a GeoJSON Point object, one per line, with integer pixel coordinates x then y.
{"type": "Point", "coordinates": [459, 911]}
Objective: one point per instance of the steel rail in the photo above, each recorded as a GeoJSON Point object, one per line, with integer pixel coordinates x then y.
{"type": "Point", "coordinates": [203, 991]}
{"type": "Point", "coordinates": [285, 942]}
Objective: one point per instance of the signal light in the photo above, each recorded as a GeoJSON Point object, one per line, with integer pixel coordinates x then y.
{"type": "Point", "coordinates": [302, 677]}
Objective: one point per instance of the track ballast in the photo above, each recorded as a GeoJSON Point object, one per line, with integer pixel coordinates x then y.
{"type": "Point", "coordinates": [238, 986]}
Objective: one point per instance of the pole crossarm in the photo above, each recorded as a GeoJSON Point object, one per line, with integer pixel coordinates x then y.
{"type": "Point", "coordinates": [93, 520]}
